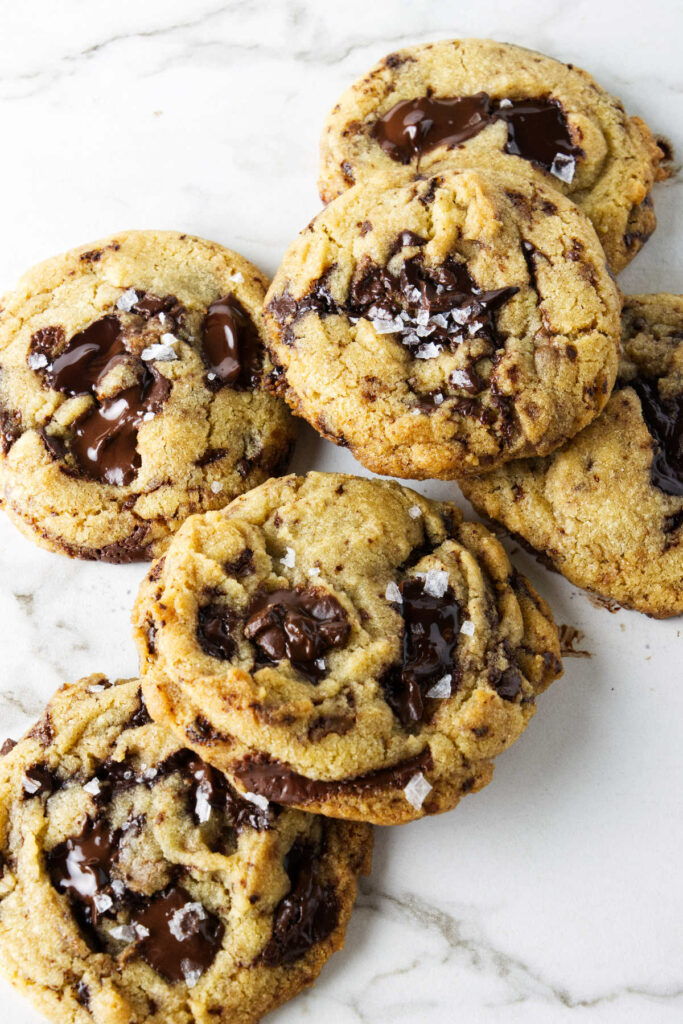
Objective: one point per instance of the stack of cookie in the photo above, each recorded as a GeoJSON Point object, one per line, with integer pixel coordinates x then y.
{"type": "Point", "coordinates": [324, 652]}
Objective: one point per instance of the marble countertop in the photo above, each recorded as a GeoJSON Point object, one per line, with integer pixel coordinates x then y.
{"type": "Point", "coordinates": [552, 895]}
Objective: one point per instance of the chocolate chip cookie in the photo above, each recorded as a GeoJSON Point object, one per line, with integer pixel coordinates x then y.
{"type": "Point", "coordinates": [344, 645]}
{"type": "Point", "coordinates": [606, 510]}
{"type": "Point", "coordinates": [478, 103]}
{"type": "Point", "coordinates": [445, 326]}
{"type": "Point", "coordinates": [137, 885]}
{"type": "Point", "coordinates": [131, 393]}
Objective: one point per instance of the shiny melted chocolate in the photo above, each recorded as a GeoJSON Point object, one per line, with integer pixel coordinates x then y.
{"type": "Point", "coordinates": [88, 357]}
{"type": "Point", "coordinates": [306, 915]}
{"type": "Point", "coordinates": [183, 937]}
{"type": "Point", "coordinates": [430, 641]}
{"type": "Point", "coordinates": [282, 784]}
{"type": "Point", "coordinates": [177, 936]}
{"type": "Point", "coordinates": [537, 129]}
{"type": "Point", "coordinates": [215, 625]}
{"type": "Point", "coordinates": [298, 625]}
{"type": "Point", "coordinates": [82, 866]}
{"type": "Point", "coordinates": [231, 347]}
{"type": "Point", "coordinates": [664, 421]}
{"type": "Point", "coordinates": [104, 441]}
{"type": "Point", "coordinates": [427, 309]}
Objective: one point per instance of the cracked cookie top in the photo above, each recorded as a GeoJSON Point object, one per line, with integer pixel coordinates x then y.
{"type": "Point", "coordinates": [607, 509]}
{"type": "Point", "coordinates": [479, 103]}
{"type": "Point", "coordinates": [137, 885]}
{"type": "Point", "coordinates": [343, 645]}
{"type": "Point", "coordinates": [131, 393]}
{"type": "Point", "coordinates": [442, 327]}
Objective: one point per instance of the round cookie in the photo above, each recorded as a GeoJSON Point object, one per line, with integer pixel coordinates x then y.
{"type": "Point", "coordinates": [479, 103]}
{"type": "Point", "coordinates": [344, 645]}
{"type": "Point", "coordinates": [606, 510]}
{"type": "Point", "coordinates": [444, 326]}
{"type": "Point", "coordinates": [137, 885]}
{"type": "Point", "coordinates": [131, 394]}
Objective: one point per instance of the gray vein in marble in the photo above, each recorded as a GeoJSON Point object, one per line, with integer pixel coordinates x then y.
{"type": "Point", "coordinates": [476, 952]}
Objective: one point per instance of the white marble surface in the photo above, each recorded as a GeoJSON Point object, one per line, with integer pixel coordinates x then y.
{"type": "Point", "coordinates": [554, 895]}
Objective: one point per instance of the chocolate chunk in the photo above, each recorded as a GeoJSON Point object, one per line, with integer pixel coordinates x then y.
{"type": "Point", "coordinates": [664, 421]}
{"type": "Point", "coordinates": [414, 127]}
{"type": "Point", "coordinates": [406, 238]}
{"type": "Point", "coordinates": [286, 309]}
{"type": "Point", "coordinates": [140, 717]}
{"type": "Point", "coordinates": [10, 428]}
{"type": "Point", "coordinates": [82, 990]}
{"type": "Point", "coordinates": [43, 730]}
{"type": "Point", "coordinates": [133, 548]}
{"type": "Point", "coordinates": [149, 306]}
{"type": "Point", "coordinates": [7, 746]}
{"type": "Point", "coordinates": [430, 640]}
{"type": "Point", "coordinates": [306, 915]}
{"type": "Point", "coordinates": [280, 783]}
{"type": "Point", "coordinates": [427, 309]}
{"type": "Point", "coordinates": [104, 442]}
{"type": "Point", "coordinates": [81, 868]}
{"type": "Point", "coordinates": [673, 522]}
{"type": "Point", "coordinates": [538, 132]}
{"type": "Point", "coordinates": [231, 347]}
{"type": "Point", "coordinates": [507, 684]}
{"type": "Point", "coordinates": [299, 625]}
{"type": "Point", "coordinates": [183, 936]}
{"type": "Point", "coordinates": [55, 445]}
{"type": "Point", "coordinates": [327, 725]}
{"type": "Point", "coordinates": [215, 625]}
{"type": "Point", "coordinates": [241, 566]}
{"type": "Point", "coordinates": [39, 780]}
{"type": "Point", "coordinates": [87, 358]}
{"type": "Point", "coordinates": [537, 129]}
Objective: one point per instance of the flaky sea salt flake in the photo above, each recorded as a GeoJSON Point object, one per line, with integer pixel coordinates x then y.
{"type": "Point", "coordinates": [191, 973]}
{"type": "Point", "coordinates": [416, 791]}
{"type": "Point", "coordinates": [467, 627]}
{"type": "Point", "coordinates": [386, 326]}
{"type": "Point", "coordinates": [436, 582]}
{"type": "Point", "coordinates": [393, 594]}
{"type": "Point", "coordinates": [160, 353]}
{"type": "Point", "coordinates": [37, 360]}
{"type": "Point", "coordinates": [184, 921]}
{"type": "Point", "coordinates": [93, 787]}
{"type": "Point", "coordinates": [289, 559]}
{"type": "Point", "coordinates": [414, 511]}
{"type": "Point", "coordinates": [216, 486]}
{"type": "Point", "coordinates": [202, 803]}
{"type": "Point", "coordinates": [256, 798]}
{"type": "Point", "coordinates": [428, 351]}
{"type": "Point", "coordinates": [29, 785]}
{"type": "Point", "coordinates": [123, 933]}
{"type": "Point", "coordinates": [563, 167]}
{"type": "Point", "coordinates": [441, 688]}
{"type": "Point", "coordinates": [127, 300]}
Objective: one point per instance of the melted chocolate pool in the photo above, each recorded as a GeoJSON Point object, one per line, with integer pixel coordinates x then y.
{"type": "Point", "coordinates": [537, 129]}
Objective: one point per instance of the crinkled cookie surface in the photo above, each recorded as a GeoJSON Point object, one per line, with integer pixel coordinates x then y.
{"type": "Point", "coordinates": [344, 645]}
{"type": "Point", "coordinates": [137, 886]}
{"type": "Point", "coordinates": [607, 509]}
{"type": "Point", "coordinates": [480, 103]}
{"type": "Point", "coordinates": [131, 393]}
{"type": "Point", "coordinates": [442, 327]}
